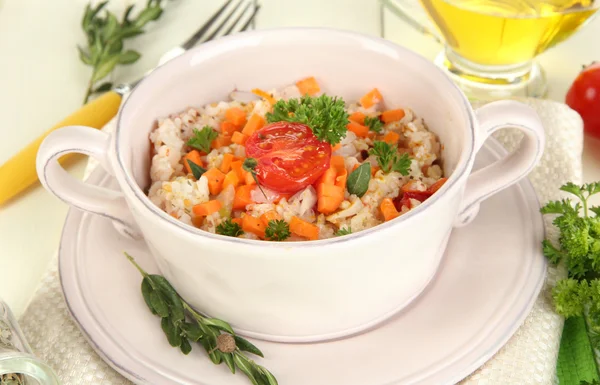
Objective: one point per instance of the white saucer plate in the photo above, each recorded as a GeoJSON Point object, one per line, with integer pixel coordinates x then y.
{"type": "Point", "coordinates": [490, 277]}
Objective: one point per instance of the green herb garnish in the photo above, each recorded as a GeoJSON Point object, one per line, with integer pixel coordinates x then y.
{"type": "Point", "coordinates": [326, 116]}
{"type": "Point", "coordinates": [343, 231]}
{"type": "Point", "coordinates": [374, 124]}
{"type": "Point", "coordinates": [389, 159]}
{"type": "Point", "coordinates": [229, 228]}
{"type": "Point", "coordinates": [197, 171]}
{"type": "Point", "coordinates": [277, 230]}
{"type": "Point", "coordinates": [216, 336]}
{"type": "Point", "coordinates": [358, 180]}
{"type": "Point", "coordinates": [201, 139]}
{"type": "Point", "coordinates": [105, 36]}
{"type": "Point", "coordinates": [579, 249]}
{"type": "Point", "coordinates": [249, 165]}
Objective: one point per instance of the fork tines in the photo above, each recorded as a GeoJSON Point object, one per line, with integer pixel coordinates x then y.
{"type": "Point", "coordinates": [234, 16]}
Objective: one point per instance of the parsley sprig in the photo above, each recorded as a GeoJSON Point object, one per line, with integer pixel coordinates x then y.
{"type": "Point", "coordinates": [343, 231]}
{"type": "Point", "coordinates": [201, 139]}
{"type": "Point", "coordinates": [389, 159]}
{"type": "Point", "coordinates": [105, 37]}
{"type": "Point", "coordinates": [326, 116]}
{"type": "Point", "coordinates": [579, 249]}
{"type": "Point", "coordinates": [184, 326]}
{"type": "Point", "coordinates": [249, 165]}
{"type": "Point", "coordinates": [374, 124]}
{"type": "Point", "coordinates": [229, 228]}
{"type": "Point", "coordinates": [277, 230]}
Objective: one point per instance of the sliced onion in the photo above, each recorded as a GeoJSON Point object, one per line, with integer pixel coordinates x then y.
{"type": "Point", "coordinates": [243, 96]}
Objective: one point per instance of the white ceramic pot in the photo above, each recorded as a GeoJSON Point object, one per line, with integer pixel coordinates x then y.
{"type": "Point", "coordinates": [313, 290]}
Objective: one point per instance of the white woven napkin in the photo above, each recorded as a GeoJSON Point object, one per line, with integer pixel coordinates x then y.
{"type": "Point", "coordinates": [528, 358]}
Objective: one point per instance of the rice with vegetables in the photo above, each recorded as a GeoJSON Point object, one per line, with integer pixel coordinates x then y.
{"type": "Point", "coordinates": [292, 164]}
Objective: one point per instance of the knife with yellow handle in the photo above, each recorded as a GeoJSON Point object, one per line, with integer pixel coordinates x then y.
{"type": "Point", "coordinates": [19, 172]}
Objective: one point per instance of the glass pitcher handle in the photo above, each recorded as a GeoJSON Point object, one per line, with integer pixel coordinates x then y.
{"type": "Point", "coordinates": [412, 12]}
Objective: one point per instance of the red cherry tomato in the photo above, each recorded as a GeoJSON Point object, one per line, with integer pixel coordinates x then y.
{"type": "Point", "coordinates": [584, 97]}
{"type": "Point", "coordinates": [409, 192]}
{"type": "Point", "coordinates": [289, 155]}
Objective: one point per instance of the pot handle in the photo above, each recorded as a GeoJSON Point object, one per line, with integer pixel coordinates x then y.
{"type": "Point", "coordinates": [505, 172]}
{"type": "Point", "coordinates": [96, 200]}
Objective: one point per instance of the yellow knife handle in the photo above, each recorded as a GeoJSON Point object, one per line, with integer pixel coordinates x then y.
{"type": "Point", "coordinates": [18, 173]}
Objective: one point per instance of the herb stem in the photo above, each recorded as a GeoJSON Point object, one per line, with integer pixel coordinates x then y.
{"type": "Point", "coordinates": [88, 92]}
{"type": "Point", "coordinates": [134, 263]}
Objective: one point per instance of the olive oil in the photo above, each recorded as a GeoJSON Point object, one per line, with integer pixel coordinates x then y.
{"type": "Point", "coordinates": [507, 32]}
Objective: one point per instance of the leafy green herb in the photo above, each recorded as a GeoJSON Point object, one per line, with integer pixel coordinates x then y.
{"type": "Point", "coordinates": [216, 336]}
{"type": "Point", "coordinates": [201, 139]}
{"type": "Point", "coordinates": [358, 180]}
{"type": "Point", "coordinates": [579, 250]}
{"type": "Point", "coordinates": [105, 36]}
{"type": "Point", "coordinates": [374, 124]}
{"type": "Point", "coordinates": [197, 171]}
{"type": "Point", "coordinates": [389, 159]}
{"type": "Point", "coordinates": [277, 230]}
{"type": "Point", "coordinates": [249, 165]}
{"type": "Point", "coordinates": [326, 116]}
{"type": "Point", "coordinates": [343, 231]}
{"type": "Point", "coordinates": [229, 228]}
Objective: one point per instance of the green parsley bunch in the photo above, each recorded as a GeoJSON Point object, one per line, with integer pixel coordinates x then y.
{"type": "Point", "coordinates": [579, 249]}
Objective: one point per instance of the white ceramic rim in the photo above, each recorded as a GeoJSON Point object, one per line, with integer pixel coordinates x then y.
{"type": "Point", "coordinates": [205, 50]}
{"type": "Point", "coordinates": [487, 353]}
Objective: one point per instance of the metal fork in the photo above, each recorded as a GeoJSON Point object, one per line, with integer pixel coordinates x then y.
{"type": "Point", "coordinates": [230, 18]}
{"type": "Point", "coordinates": [19, 172]}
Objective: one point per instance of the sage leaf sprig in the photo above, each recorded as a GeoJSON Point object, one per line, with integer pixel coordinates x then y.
{"type": "Point", "coordinates": [358, 180]}
{"type": "Point", "coordinates": [105, 36]}
{"type": "Point", "coordinates": [216, 336]}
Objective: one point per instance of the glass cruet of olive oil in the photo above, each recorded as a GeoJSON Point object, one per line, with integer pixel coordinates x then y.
{"type": "Point", "coordinates": [490, 45]}
{"type": "Point", "coordinates": [18, 365]}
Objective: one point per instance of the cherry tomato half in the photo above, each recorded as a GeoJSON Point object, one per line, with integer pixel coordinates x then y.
{"type": "Point", "coordinates": [289, 155]}
{"type": "Point", "coordinates": [584, 97]}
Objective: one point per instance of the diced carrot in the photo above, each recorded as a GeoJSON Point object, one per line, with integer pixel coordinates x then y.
{"type": "Point", "coordinates": [248, 178]}
{"type": "Point", "coordinates": [371, 135]}
{"type": "Point", "coordinates": [239, 138]}
{"type": "Point", "coordinates": [374, 170]}
{"type": "Point", "coordinates": [215, 180]}
{"type": "Point", "coordinates": [371, 98]}
{"type": "Point", "coordinates": [358, 117]}
{"type": "Point", "coordinates": [388, 209]}
{"type": "Point", "coordinates": [392, 115]}
{"type": "Point", "coordinates": [336, 147]}
{"type": "Point", "coordinates": [391, 137]}
{"type": "Point", "coordinates": [255, 123]}
{"type": "Point", "coordinates": [237, 167]}
{"type": "Point", "coordinates": [437, 185]}
{"type": "Point", "coordinates": [358, 165]}
{"type": "Point", "coordinates": [197, 221]}
{"type": "Point", "coordinates": [337, 163]}
{"type": "Point", "coordinates": [360, 130]}
{"type": "Point", "coordinates": [231, 179]}
{"type": "Point", "coordinates": [253, 225]}
{"type": "Point", "coordinates": [242, 197]}
{"type": "Point", "coordinates": [270, 215]}
{"type": "Point", "coordinates": [207, 208]}
{"type": "Point", "coordinates": [226, 164]}
{"type": "Point", "coordinates": [424, 169]}
{"type": "Point", "coordinates": [237, 220]}
{"type": "Point", "coordinates": [411, 186]}
{"type": "Point", "coordinates": [228, 128]}
{"type": "Point", "coordinates": [265, 95]}
{"type": "Point", "coordinates": [304, 229]}
{"type": "Point", "coordinates": [329, 197]}
{"type": "Point", "coordinates": [328, 176]}
{"type": "Point", "coordinates": [237, 116]}
{"type": "Point", "coordinates": [308, 86]}
{"type": "Point", "coordinates": [221, 141]}
{"type": "Point", "coordinates": [194, 156]}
